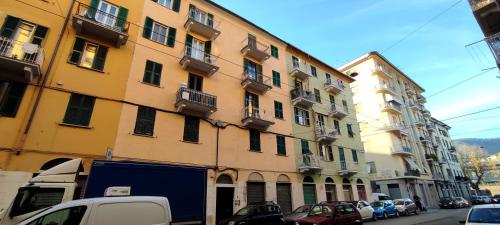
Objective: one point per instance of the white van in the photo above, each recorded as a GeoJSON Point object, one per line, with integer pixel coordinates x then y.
{"type": "Point", "coordinates": [106, 211]}
{"type": "Point", "coordinates": [380, 197]}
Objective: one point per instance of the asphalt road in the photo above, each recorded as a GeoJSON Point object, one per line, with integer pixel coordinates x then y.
{"type": "Point", "coordinates": [432, 217]}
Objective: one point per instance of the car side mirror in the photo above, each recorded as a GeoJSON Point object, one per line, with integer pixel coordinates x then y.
{"type": "Point", "coordinates": [461, 221]}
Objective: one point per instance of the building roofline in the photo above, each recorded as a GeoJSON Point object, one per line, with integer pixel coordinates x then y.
{"type": "Point", "coordinates": [375, 53]}
{"type": "Point", "coordinates": [277, 38]}
{"type": "Point", "coordinates": [441, 123]}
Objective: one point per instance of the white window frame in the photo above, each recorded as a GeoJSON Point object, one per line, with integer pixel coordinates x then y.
{"type": "Point", "coordinates": [164, 3]}
{"type": "Point", "coordinates": [153, 32]}
{"type": "Point", "coordinates": [83, 54]}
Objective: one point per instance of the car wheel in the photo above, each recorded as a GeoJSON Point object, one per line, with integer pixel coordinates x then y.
{"type": "Point", "coordinates": [407, 213]}
{"type": "Point", "coordinates": [416, 211]}
{"type": "Point", "coordinates": [385, 215]}
{"type": "Point", "coordinates": [374, 217]}
{"type": "Point", "coordinates": [397, 214]}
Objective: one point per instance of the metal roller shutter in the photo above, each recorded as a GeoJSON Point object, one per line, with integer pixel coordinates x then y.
{"type": "Point", "coordinates": [255, 192]}
{"type": "Point", "coordinates": [284, 194]}
{"type": "Point", "coordinates": [394, 191]}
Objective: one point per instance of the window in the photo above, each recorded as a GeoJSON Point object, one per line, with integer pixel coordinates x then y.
{"type": "Point", "coordinates": [11, 100]}
{"type": "Point", "coordinates": [145, 122]}
{"type": "Point", "coordinates": [191, 129]}
{"type": "Point", "coordinates": [88, 55]}
{"type": "Point", "coordinates": [329, 153]}
{"type": "Point", "coordinates": [313, 71]}
{"type": "Point", "coordinates": [71, 215]}
{"type": "Point", "coordinates": [371, 167]}
{"type": "Point", "coordinates": [326, 152]}
{"type": "Point", "coordinates": [317, 95]}
{"type": "Point", "coordinates": [302, 117]}
{"type": "Point", "coordinates": [305, 147]}
{"type": "Point", "coordinates": [159, 33]}
{"type": "Point", "coordinates": [295, 62]}
{"type": "Point", "coordinates": [280, 145]}
{"type": "Point", "coordinates": [274, 51]}
{"type": "Point", "coordinates": [344, 104]}
{"type": "Point", "coordinates": [328, 78]}
{"type": "Point", "coordinates": [195, 82]}
{"type": "Point", "coordinates": [276, 79]}
{"type": "Point", "coordinates": [79, 110]}
{"type": "Point", "coordinates": [354, 155]}
{"type": "Point", "coordinates": [171, 4]}
{"type": "Point", "coordinates": [278, 110]}
{"type": "Point", "coordinates": [30, 199]}
{"type": "Point", "coordinates": [349, 130]}
{"type": "Point", "coordinates": [152, 73]}
{"type": "Point", "coordinates": [337, 126]}
{"type": "Point", "coordinates": [254, 140]}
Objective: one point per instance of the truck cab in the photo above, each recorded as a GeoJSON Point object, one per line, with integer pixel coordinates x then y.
{"type": "Point", "coordinates": [49, 188]}
{"type": "Point", "coordinates": [106, 211]}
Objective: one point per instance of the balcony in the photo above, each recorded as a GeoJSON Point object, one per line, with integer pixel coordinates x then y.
{"type": "Point", "coordinates": [382, 71]}
{"type": "Point", "coordinates": [334, 87]}
{"type": "Point", "coordinates": [431, 128]}
{"type": "Point", "coordinates": [431, 157]}
{"type": "Point", "coordinates": [425, 139]}
{"type": "Point", "coordinates": [309, 164]}
{"type": "Point", "coordinates": [302, 98]}
{"type": "Point", "coordinates": [255, 50]}
{"type": "Point", "coordinates": [300, 71]}
{"type": "Point", "coordinates": [255, 83]}
{"type": "Point", "coordinates": [338, 112]}
{"type": "Point", "coordinates": [396, 128]}
{"type": "Point", "coordinates": [421, 99]}
{"type": "Point", "coordinates": [414, 106]}
{"type": "Point", "coordinates": [410, 91]}
{"type": "Point", "coordinates": [487, 13]}
{"type": "Point", "coordinates": [494, 44]}
{"type": "Point", "coordinates": [348, 168]}
{"type": "Point", "coordinates": [426, 113]}
{"type": "Point", "coordinates": [324, 135]}
{"type": "Point", "coordinates": [256, 119]}
{"type": "Point", "coordinates": [412, 173]}
{"type": "Point", "coordinates": [198, 62]}
{"type": "Point", "coordinates": [391, 106]}
{"type": "Point", "coordinates": [402, 151]}
{"type": "Point", "coordinates": [419, 122]}
{"type": "Point", "coordinates": [195, 103]}
{"type": "Point", "coordinates": [200, 23]}
{"type": "Point", "coordinates": [479, 4]}
{"type": "Point", "coordinates": [386, 88]}
{"type": "Point", "coordinates": [93, 22]}
{"type": "Point", "coordinates": [452, 149]}
{"type": "Point", "coordinates": [20, 61]}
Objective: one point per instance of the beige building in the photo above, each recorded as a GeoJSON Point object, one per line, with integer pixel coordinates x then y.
{"type": "Point", "coordinates": [389, 108]}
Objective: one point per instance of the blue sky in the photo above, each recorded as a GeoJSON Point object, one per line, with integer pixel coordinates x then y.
{"type": "Point", "coordinates": [338, 31]}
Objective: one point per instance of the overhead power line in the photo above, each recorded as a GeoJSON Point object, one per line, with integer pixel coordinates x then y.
{"type": "Point", "coordinates": [477, 131]}
{"type": "Point", "coordinates": [461, 82]}
{"type": "Point", "coordinates": [472, 113]}
{"type": "Point", "coordinates": [422, 26]}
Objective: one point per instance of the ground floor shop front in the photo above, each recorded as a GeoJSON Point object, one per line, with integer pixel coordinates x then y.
{"type": "Point", "coordinates": [408, 188]}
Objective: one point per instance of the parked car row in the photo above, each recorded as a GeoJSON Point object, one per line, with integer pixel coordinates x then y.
{"type": "Point", "coordinates": [475, 199]}
{"type": "Point", "coordinates": [453, 203]}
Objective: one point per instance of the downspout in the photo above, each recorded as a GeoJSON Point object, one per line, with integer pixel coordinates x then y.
{"type": "Point", "coordinates": [44, 81]}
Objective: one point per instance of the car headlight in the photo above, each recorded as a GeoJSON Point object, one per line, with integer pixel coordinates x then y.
{"type": "Point", "coordinates": [297, 223]}
{"type": "Point", "coordinates": [230, 223]}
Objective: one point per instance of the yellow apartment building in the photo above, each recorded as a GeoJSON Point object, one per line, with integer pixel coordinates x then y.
{"type": "Point", "coordinates": [390, 111]}
{"type": "Point", "coordinates": [329, 151]}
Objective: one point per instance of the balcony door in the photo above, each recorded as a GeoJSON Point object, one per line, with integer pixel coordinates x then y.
{"type": "Point", "coordinates": [195, 82]}
{"type": "Point", "coordinates": [107, 13]}
{"type": "Point", "coordinates": [342, 158]}
{"type": "Point", "coordinates": [23, 34]}
{"type": "Point", "coordinates": [253, 70]}
{"type": "Point", "coordinates": [251, 105]}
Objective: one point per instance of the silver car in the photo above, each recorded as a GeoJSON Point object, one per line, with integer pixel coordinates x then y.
{"type": "Point", "coordinates": [406, 206]}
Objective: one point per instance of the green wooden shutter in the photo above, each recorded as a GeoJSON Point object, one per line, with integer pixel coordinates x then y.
{"type": "Point", "coordinates": [122, 18]}
{"type": "Point", "coordinates": [9, 26]}
{"type": "Point", "coordinates": [86, 110]}
{"type": "Point", "coordinates": [77, 51]}
{"type": "Point", "coordinates": [177, 5]}
{"type": "Point", "coordinates": [72, 110]}
{"type": "Point", "coordinates": [39, 35]}
{"type": "Point", "coordinates": [259, 73]}
{"type": "Point", "coordinates": [208, 47]}
{"type": "Point", "coordinates": [210, 20]}
{"type": "Point", "coordinates": [157, 74]}
{"type": "Point", "coordinates": [254, 140]}
{"type": "Point", "coordinates": [307, 117]}
{"type": "Point", "coordinates": [191, 129]}
{"type": "Point", "coordinates": [148, 28]}
{"type": "Point", "coordinates": [148, 72]}
{"type": "Point", "coordinates": [92, 8]}
{"type": "Point", "coordinates": [100, 58]}
{"type": "Point", "coordinates": [309, 194]}
{"type": "Point", "coordinates": [12, 99]}
{"type": "Point", "coordinates": [192, 10]}
{"type": "Point", "coordinates": [171, 37]}
{"type": "Point", "coordinates": [296, 112]}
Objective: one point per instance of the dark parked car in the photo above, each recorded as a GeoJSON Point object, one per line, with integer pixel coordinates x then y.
{"type": "Point", "coordinates": [332, 213]}
{"type": "Point", "coordinates": [448, 203]}
{"type": "Point", "coordinates": [265, 213]}
{"type": "Point", "coordinates": [476, 200]}
{"type": "Point", "coordinates": [298, 213]}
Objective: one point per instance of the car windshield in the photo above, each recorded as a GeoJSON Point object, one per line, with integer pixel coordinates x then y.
{"type": "Point", "coordinates": [245, 211]}
{"type": "Point", "coordinates": [320, 210]}
{"type": "Point", "coordinates": [484, 215]}
{"type": "Point", "coordinates": [446, 199]}
{"type": "Point", "coordinates": [378, 204]}
{"type": "Point", "coordinates": [302, 209]}
{"type": "Point", "coordinates": [383, 197]}
{"type": "Point", "coordinates": [399, 202]}
{"type": "Point", "coordinates": [30, 199]}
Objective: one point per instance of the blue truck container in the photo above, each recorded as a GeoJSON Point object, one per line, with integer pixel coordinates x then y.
{"type": "Point", "coordinates": [185, 187]}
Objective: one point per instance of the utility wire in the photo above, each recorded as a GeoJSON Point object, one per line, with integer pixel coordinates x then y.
{"type": "Point", "coordinates": [461, 82]}
{"type": "Point", "coordinates": [473, 113]}
{"type": "Point", "coordinates": [477, 131]}
{"type": "Point", "coordinates": [422, 26]}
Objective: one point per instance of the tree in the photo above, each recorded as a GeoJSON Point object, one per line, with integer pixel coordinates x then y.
{"type": "Point", "coordinates": [476, 164]}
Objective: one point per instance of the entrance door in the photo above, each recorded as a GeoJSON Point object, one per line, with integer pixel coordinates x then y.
{"type": "Point", "coordinates": [347, 192]}
{"type": "Point", "coordinates": [224, 203]}
{"type": "Point", "coordinates": [309, 193]}
{"type": "Point", "coordinates": [361, 192]}
{"type": "Point", "coordinates": [255, 192]}
{"type": "Point", "coordinates": [284, 194]}
{"type": "Point", "coordinates": [394, 191]}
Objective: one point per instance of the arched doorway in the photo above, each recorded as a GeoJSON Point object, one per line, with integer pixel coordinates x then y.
{"type": "Point", "coordinates": [224, 198]}
{"type": "Point", "coordinates": [361, 189]}
{"type": "Point", "coordinates": [347, 189]}
{"type": "Point", "coordinates": [330, 189]}
{"type": "Point", "coordinates": [256, 188]}
{"type": "Point", "coordinates": [284, 193]}
{"type": "Point", "coordinates": [309, 189]}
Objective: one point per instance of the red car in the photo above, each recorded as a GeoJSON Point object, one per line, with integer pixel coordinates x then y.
{"type": "Point", "coordinates": [332, 213]}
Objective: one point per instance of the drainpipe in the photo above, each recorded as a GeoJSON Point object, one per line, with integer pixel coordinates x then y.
{"type": "Point", "coordinates": [44, 81]}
